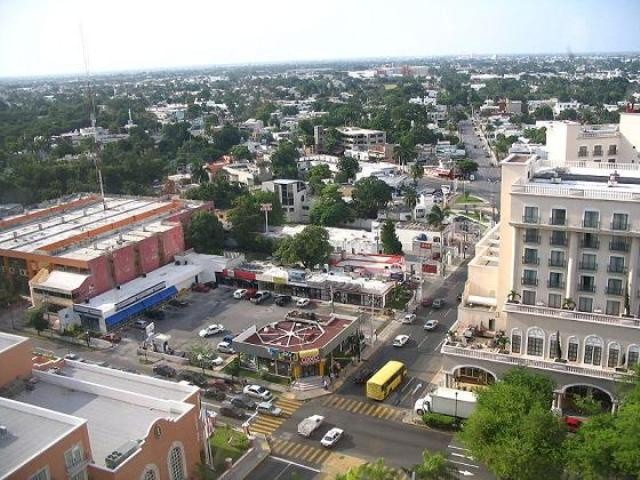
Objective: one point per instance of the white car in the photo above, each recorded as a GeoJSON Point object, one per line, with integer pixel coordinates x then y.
{"type": "Point", "coordinates": [409, 318]}
{"type": "Point", "coordinates": [431, 324]}
{"type": "Point", "coordinates": [257, 391]}
{"type": "Point", "coordinates": [331, 437]}
{"type": "Point", "coordinates": [269, 408]}
{"type": "Point", "coordinates": [400, 340]}
{"type": "Point", "coordinates": [213, 329]}
{"type": "Point", "coordinates": [217, 362]}
{"type": "Point", "coordinates": [303, 302]}
{"type": "Point", "coordinates": [240, 293]}
{"type": "Point", "coordinates": [225, 347]}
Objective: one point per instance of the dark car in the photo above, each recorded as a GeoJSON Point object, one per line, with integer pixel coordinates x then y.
{"type": "Point", "coordinates": [215, 394]}
{"type": "Point", "coordinates": [260, 297]}
{"type": "Point", "coordinates": [196, 378]}
{"type": "Point", "coordinates": [283, 300]}
{"type": "Point", "coordinates": [362, 376]}
{"type": "Point", "coordinates": [228, 410]}
{"type": "Point", "coordinates": [165, 371]}
{"type": "Point", "coordinates": [243, 402]}
{"type": "Point", "coordinates": [438, 303]}
{"type": "Point", "coordinates": [220, 384]}
{"type": "Point", "coordinates": [228, 338]}
{"type": "Point", "coordinates": [178, 303]}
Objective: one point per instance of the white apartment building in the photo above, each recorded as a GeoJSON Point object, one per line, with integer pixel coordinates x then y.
{"type": "Point", "coordinates": [570, 142]}
{"type": "Point", "coordinates": [294, 197]}
{"type": "Point", "coordinates": [555, 286]}
{"type": "Point", "coordinates": [354, 138]}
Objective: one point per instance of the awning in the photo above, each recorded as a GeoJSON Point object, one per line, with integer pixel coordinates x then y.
{"type": "Point", "coordinates": [478, 300]}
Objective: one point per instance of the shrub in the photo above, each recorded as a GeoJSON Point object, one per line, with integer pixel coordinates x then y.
{"type": "Point", "coordinates": [437, 420]}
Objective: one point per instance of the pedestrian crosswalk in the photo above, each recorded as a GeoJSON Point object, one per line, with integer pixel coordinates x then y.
{"type": "Point", "coordinates": [300, 451]}
{"type": "Point", "coordinates": [267, 424]}
{"type": "Point", "coordinates": [363, 408]}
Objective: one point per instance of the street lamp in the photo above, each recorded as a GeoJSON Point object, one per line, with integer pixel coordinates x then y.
{"type": "Point", "coordinates": [456, 407]}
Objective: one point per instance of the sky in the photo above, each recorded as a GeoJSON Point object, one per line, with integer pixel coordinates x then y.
{"type": "Point", "coordinates": [43, 37]}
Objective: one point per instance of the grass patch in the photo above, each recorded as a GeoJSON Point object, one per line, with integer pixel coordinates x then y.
{"type": "Point", "coordinates": [227, 443]}
{"type": "Point", "coordinates": [399, 298]}
{"type": "Point", "coordinates": [266, 376]}
{"type": "Point", "coordinates": [442, 422]}
{"type": "Point", "coordinates": [466, 198]}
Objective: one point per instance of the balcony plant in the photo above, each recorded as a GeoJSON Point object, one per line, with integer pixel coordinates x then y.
{"type": "Point", "coordinates": [569, 304]}
{"type": "Point", "coordinates": [627, 303]}
{"type": "Point", "coordinates": [502, 342]}
{"type": "Point", "coordinates": [513, 296]}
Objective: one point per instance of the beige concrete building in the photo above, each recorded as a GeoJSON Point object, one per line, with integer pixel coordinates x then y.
{"type": "Point", "coordinates": [555, 286]}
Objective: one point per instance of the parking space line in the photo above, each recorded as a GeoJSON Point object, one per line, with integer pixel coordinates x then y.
{"type": "Point", "coordinates": [284, 460]}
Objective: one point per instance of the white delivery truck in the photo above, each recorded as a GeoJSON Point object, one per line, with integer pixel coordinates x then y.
{"type": "Point", "coordinates": [307, 426]}
{"type": "Point", "coordinates": [447, 401]}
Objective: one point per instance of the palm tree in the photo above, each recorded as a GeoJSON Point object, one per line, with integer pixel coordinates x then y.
{"type": "Point", "coordinates": [411, 199]}
{"type": "Point", "coordinates": [417, 171]}
{"type": "Point", "coordinates": [434, 466]}
{"type": "Point", "coordinates": [404, 152]}
{"type": "Point", "coordinates": [436, 218]}
{"type": "Point", "coordinates": [370, 471]}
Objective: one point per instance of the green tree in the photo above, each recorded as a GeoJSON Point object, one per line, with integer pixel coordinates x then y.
{"type": "Point", "coordinates": [246, 219]}
{"type": "Point", "coordinates": [417, 172]}
{"type": "Point", "coordinates": [545, 112]}
{"type": "Point", "coordinates": [370, 471]}
{"type": "Point", "coordinates": [227, 137]}
{"type": "Point", "coordinates": [317, 173]}
{"type": "Point", "coordinates": [390, 242]}
{"type": "Point", "coordinates": [310, 247]}
{"type": "Point", "coordinates": [241, 152]}
{"type": "Point", "coordinates": [330, 209]}
{"type": "Point", "coordinates": [219, 191]}
{"type": "Point", "coordinates": [536, 135]}
{"type": "Point", "coordinates": [404, 152]}
{"type": "Point", "coordinates": [369, 195]}
{"type": "Point", "coordinates": [347, 169]}
{"type": "Point", "coordinates": [513, 430]}
{"type": "Point", "coordinates": [434, 466]}
{"type": "Point", "coordinates": [331, 139]}
{"type": "Point", "coordinates": [284, 161]}
{"type": "Point", "coordinates": [34, 317]}
{"type": "Point", "coordinates": [467, 167]}
{"type": "Point", "coordinates": [205, 233]}
{"type": "Point", "coordinates": [437, 217]}
{"type": "Point", "coordinates": [410, 198]}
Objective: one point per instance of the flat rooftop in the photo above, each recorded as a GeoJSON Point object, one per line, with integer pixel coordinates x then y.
{"type": "Point", "coordinates": [7, 341]}
{"type": "Point", "coordinates": [358, 131]}
{"type": "Point", "coordinates": [30, 430]}
{"type": "Point", "coordinates": [347, 283]}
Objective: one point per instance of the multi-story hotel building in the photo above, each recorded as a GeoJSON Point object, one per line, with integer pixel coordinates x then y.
{"type": "Point", "coordinates": [555, 286]}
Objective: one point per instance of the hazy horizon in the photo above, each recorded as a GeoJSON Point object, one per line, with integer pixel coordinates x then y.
{"type": "Point", "coordinates": [42, 37]}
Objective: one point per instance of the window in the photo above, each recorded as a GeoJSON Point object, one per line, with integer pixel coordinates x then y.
{"type": "Point", "coordinates": [582, 151]}
{"type": "Point", "coordinates": [555, 300]}
{"type": "Point", "coordinates": [597, 150]}
{"type": "Point", "coordinates": [74, 456]}
{"type": "Point", "coordinates": [572, 350]}
{"type": "Point", "coordinates": [531, 235]}
{"type": "Point", "coordinates": [634, 355]}
{"type": "Point", "coordinates": [620, 221]}
{"type": "Point", "coordinates": [614, 286]}
{"type": "Point", "coordinates": [530, 215]}
{"type": "Point", "coordinates": [613, 150]}
{"type": "Point", "coordinates": [588, 262]}
{"type": "Point", "coordinates": [585, 304]}
{"type": "Point", "coordinates": [587, 283]}
{"type": "Point", "coordinates": [529, 277]}
{"type": "Point", "coordinates": [150, 473]}
{"type": "Point", "coordinates": [555, 280]}
{"type": "Point", "coordinates": [528, 297]}
{"type": "Point", "coordinates": [592, 351]}
{"type": "Point", "coordinates": [591, 219]}
{"type": "Point", "coordinates": [530, 256]}
{"type": "Point", "coordinates": [79, 476]}
{"type": "Point", "coordinates": [535, 342]}
{"type": "Point", "coordinates": [42, 474]}
{"type": "Point", "coordinates": [590, 240]}
{"type": "Point", "coordinates": [614, 355]}
{"type": "Point", "coordinates": [554, 351]}
{"type": "Point", "coordinates": [616, 265]}
{"type": "Point", "coordinates": [516, 341]}
{"type": "Point", "coordinates": [559, 238]}
{"type": "Point", "coordinates": [556, 259]}
{"type": "Point", "coordinates": [613, 307]}
{"type": "Point", "coordinates": [558, 216]}
{"type": "Point", "coordinates": [176, 463]}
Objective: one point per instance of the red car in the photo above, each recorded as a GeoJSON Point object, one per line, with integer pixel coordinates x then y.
{"type": "Point", "coordinates": [200, 287]}
{"type": "Point", "coordinates": [427, 302]}
{"type": "Point", "coordinates": [573, 423]}
{"type": "Point", "coordinates": [112, 337]}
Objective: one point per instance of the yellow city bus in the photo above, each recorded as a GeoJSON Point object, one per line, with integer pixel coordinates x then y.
{"type": "Point", "coordinates": [386, 380]}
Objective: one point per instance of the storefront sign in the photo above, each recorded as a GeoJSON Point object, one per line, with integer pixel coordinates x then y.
{"type": "Point", "coordinates": [309, 357]}
{"type": "Point", "coordinates": [279, 280]}
{"type": "Point", "coordinates": [297, 276]}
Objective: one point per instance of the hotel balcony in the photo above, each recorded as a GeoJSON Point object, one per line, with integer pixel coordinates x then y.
{"type": "Point", "coordinates": [571, 315]}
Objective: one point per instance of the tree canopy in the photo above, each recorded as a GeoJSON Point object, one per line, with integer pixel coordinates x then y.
{"type": "Point", "coordinates": [330, 209]}
{"type": "Point", "coordinates": [370, 471]}
{"type": "Point", "coordinates": [205, 233]}
{"type": "Point", "coordinates": [390, 242]}
{"type": "Point", "coordinates": [284, 161]}
{"type": "Point", "coordinates": [246, 218]}
{"type": "Point", "coordinates": [310, 247]}
{"type": "Point", "coordinates": [347, 169]}
{"type": "Point", "coordinates": [219, 191]}
{"type": "Point", "coordinates": [369, 195]}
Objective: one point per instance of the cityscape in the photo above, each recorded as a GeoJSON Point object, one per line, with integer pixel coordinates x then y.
{"type": "Point", "coordinates": [230, 256]}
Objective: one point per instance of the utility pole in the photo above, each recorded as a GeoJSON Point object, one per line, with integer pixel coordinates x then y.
{"type": "Point", "coordinates": [266, 208]}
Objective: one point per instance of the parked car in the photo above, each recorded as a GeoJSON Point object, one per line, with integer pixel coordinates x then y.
{"type": "Point", "coordinates": [243, 402]}
{"type": "Point", "coordinates": [251, 293]}
{"type": "Point", "coordinates": [303, 302]}
{"type": "Point", "coordinates": [431, 325]}
{"type": "Point", "coordinates": [213, 329]}
{"type": "Point", "coordinates": [438, 303]}
{"type": "Point", "coordinates": [215, 394]}
{"type": "Point", "coordinates": [408, 318]}
{"type": "Point", "coordinates": [200, 288]}
{"type": "Point", "coordinates": [427, 302]}
{"type": "Point", "coordinates": [112, 337]}
{"type": "Point", "coordinates": [73, 356]}
{"type": "Point", "coordinates": [240, 293]}
{"type": "Point", "coordinates": [164, 371]}
{"type": "Point", "coordinates": [282, 300]}
{"type": "Point", "coordinates": [140, 324]}
{"type": "Point", "coordinates": [229, 410]}
{"type": "Point", "coordinates": [178, 303]}
{"type": "Point", "coordinates": [400, 340]}
{"type": "Point", "coordinates": [228, 338]}
{"type": "Point", "coordinates": [220, 384]}
{"type": "Point", "coordinates": [361, 377]}
{"type": "Point", "coordinates": [257, 391]}
{"type": "Point", "coordinates": [269, 408]}
{"type": "Point", "coordinates": [225, 347]}
{"type": "Point", "coordinates": [196, 378]}
{"type": "Point", "coordinates": [331, 437]}
{"type": "Point", "coordinates": [261, 296]}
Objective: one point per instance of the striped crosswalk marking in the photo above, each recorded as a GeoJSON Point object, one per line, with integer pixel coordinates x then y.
{"type": "Point", "coordinates": [266, 424]}
{"type": "Point", "coordinates": [309, 454]}
{"type": "Point", "coordinates": [362, 408]}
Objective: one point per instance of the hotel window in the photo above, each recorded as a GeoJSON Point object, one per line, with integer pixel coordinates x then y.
{"type": "Point", "coordinates": [558, 216]}
{"type": "Point", "coordinates": [528, 297]}
{"type": "Point", "coordinates": [556, 259]}
{"type": "Point", "coordinates": [614, 355]}
{"type": "Point", "coordinates": [555, 280]}
{"type": "Point", "coordinates": [615, 287]}
{"type": "Point", "coordinates": [585, 304]}
{"type": "Point", "coordinates": [634, 355]}
{"type": "Point", "coordinates": [572, 350]}
{"type": "Point", "coordinates": [582, 151]}
{"type": "Point", "coordinates": [592, 351]}
{"type": "Point", "coordinates": [516, 341]}
{"type": "Point", "coordinates": [555, 300]}
{"type": "Point", "coordinates": [530, 277]}
{"type": "Point", "coordinates": [613, 150]}
{"type": "Point", "coordinates": [535, 342]}
{"type": "Point", "coordinates": [42, 474]}
{"type": "Point", "coordinates": [612, 308]}
{"type": "Point", "coordinates": [553, 347]}
{"type": "Point", "coordinates": [530, 215]}
{"type": "Point", "coordinates": [597, 150]}
{"type": "Point", "coordinates": [620, 221]}
{"type": "Point", "coordinates": [591, 219]}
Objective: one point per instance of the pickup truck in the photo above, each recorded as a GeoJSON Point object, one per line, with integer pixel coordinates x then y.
{"type": "Point", "coordinates": [310, 424]}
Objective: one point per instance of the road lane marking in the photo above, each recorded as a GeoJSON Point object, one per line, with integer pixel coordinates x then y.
{"type": "Point", "coordinates": [407, 384]}
{"type": "Point", "coordinates": [465, 464]}
{"type": "Point", "coordinates": [439, 345]}
{"type": "Point", "coordinates": [463, 456]}
{"type": "Point", "coordinates": [301, 465]}
{"type": "Point", "coordinates": [422, 341]}
{"type": "Point", "coordinates": [458, 448]}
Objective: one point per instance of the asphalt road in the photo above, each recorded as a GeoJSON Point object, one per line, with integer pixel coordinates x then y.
{"type": "Point", "coordinates": [280, 469]}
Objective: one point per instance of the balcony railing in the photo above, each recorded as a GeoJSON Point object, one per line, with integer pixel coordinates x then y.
{"type": "Point", "coordinates": [560, 263]}
{"type": "Point", "coordinates": [616, 269]}
{"type": "Point", "coordinates": [618, 291]}
{"type": "Point", "coordinates": [586, 287]}
{"type": "Point", "coordinates": [559, 241]}
{"type": "Point", "coordinates": [518, 360]}
{"type": "Point", "coordinates": [593, 244]}
{"type": "Point", "coordinates": [529, 281]}
{"type": "Point", "coordinates": [551, 284]}
{"type": "Point", "coordinates": [530, 260]}
{"type": "Point", "coordinates": [620, 226]}
{"type": "Point", "coordinates": [531, 238]}
{"type": "Point", "coordinates": [588, 266]}
{"type": "Point", "coordinates": [559, 221]}
{"type": "Point", "coordinates": [530, 219]}
{"type": "Point", "coordinates": [561, 314]}
{"type": "Point", "coordinates": [591, 223]}
{"type": "Point", "coordinates": [618, 246]}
